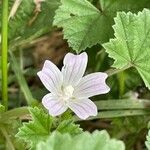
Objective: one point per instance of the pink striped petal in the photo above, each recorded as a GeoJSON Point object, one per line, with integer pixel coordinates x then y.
{"type": "Point", "coordinates": [51, 77]}
{"type": "Point", "coordinates": [54, 105]}
{"type": "Point", "coordinates": [92, 84]}
{"type": "Point", "coordinates": [74, 68]}
{"type": "Point", "coordinates": [83, 108]}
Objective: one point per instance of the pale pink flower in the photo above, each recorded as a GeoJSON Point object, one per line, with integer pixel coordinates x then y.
{"type": "Point", "coordinates": [68, 87]}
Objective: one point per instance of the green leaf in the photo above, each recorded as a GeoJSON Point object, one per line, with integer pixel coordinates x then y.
{"type": "Point", "coordinates": [24, 24]}
{"type": "Point", "coordinates": [111, 6]}
{"type": "Point", "coordinates": [68, 126]}
{"type": "Point", "coordinates": [131, 45]}
{"type": "Point", "coordinates": [29, 24]}
{"type": "Point", "coordinates": [36, 130]}
{"type": "Point", "coordinates": [77, 23]}
{"type": "Point", "coordinates": [42, 125]}
{"type": "Point", "coordinates": [84, 25]}
{"type": "Point", "coordinates": [95, 141]}
{"type": "Point", "coordinates": [21, 18]}
{"type": "Point", "coordinates": [43, 22]}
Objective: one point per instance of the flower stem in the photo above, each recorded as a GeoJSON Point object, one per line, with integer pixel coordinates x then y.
{"type": "Point", "coordinates": [4, 47]}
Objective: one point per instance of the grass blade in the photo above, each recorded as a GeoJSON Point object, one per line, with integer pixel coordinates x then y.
{"type": "Point", "coordinates": [21, 80]}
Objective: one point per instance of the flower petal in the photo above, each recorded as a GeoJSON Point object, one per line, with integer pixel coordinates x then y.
{"type": "Point", "coordinates": [51, 77]}
{"type": "Point", "coordinates": [83, 108]}
{"type": "Point", "coordinates": [74, 68]}
{"type": "Point", "coordinates": [54, 105]}
{"type": "Point", "coordinates": [92, 84]}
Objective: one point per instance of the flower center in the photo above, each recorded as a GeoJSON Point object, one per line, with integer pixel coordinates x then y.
{"type": "Point", "coordinates": [67, 92]}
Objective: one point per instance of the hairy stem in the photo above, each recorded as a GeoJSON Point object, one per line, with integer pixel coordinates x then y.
{"type": "Point", "coordinates": [4, 47]}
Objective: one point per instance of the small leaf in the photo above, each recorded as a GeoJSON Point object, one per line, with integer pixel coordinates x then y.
{"type": "Point", "coordinates": [36, 130]}
{"type": "Point", "coordinates": [85, 141]}
{"type": "Point", "coordinates": [131, 44]}
{"type": "Point", "coordinates": [68, 126]}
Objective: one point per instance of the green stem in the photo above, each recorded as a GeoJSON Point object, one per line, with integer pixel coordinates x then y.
{"type": "Point", "coordinates": [4, 52]}
{"type": "Point", "coordinates": [121, 82]}
{"type": "Point", "coordinates": [111, 72]}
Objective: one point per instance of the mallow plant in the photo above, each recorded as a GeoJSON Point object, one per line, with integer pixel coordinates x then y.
{"type": "Point", "coordinates": [97, 96]}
